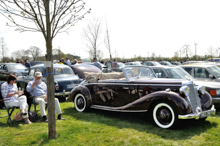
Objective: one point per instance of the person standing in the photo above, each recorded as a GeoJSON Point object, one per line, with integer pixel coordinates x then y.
{"type": "Point", "coordinates": [114, 64]}
{"type": "Point", "coordinates": [97, 64]}
{"type": "Point", "coordinates": [60, 62]}
{"type": "Point", "coordinates": [27, 64]}
{"type": "Point", "coordinates": [68, 61]}
{"type": "Point", "coordinates": [10, 91]}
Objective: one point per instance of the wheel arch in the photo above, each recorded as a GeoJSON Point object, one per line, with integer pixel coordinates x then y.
{"type": "Point", "coordinates": [83, 90]}
{"type": "Point", "coordinates": [179, 103]}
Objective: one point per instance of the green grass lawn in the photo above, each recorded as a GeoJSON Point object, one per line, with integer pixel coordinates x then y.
{"type": "Point", "coordinates": [109, 128]}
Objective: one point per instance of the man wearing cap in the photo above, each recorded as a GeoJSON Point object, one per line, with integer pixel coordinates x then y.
{"type": "Point", "coordinates": [38, 89]}
{"type": "Point", "coordinates": [97, 64]}
{"type": "Point", "coordinates": [68, 61]}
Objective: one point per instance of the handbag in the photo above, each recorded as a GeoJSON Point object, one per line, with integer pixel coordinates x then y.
{"type": "Point", "coordinates": [33, 116]}
{"type": "Point", "coordinates": [18, 117]}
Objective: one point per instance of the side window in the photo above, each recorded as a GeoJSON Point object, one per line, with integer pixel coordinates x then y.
{"type": "Point", "coordinates": [201, 73]}
{"type": "Point", "coordinates": [31, 72]}
{"type": "Point", "coordinates": [189, 70]}
{"type": "Point", "coordinates": [160, 73]}
{"type": "Point", "coordinates": [5, 67]}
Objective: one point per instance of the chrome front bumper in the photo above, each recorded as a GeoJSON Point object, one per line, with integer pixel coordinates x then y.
{"type": "Point", "coordinates": [62, 93]}
{"type": "Point", "coordinates": [199, 115]}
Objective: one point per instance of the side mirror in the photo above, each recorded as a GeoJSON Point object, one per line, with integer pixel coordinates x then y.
{"type": "Point", "coordinates": [211, 76]}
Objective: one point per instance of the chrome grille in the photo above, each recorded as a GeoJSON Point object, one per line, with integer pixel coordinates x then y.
{"type": "Point", "coordinates": [194, 97]}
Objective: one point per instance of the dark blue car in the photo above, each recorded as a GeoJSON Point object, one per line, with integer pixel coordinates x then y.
{"type": "Point", "coordinates": [64, 78]}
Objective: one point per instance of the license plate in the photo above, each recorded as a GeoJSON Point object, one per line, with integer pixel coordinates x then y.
{"type": "Point", "coordinates": [71, 86]}
{"type": "Point", "coordinates": [205, 114]}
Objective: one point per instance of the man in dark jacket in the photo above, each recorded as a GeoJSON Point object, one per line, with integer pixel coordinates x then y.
{"type": "Point", "coordinates": [27, 64]}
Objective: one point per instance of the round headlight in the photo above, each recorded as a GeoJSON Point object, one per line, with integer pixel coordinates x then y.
{"type": "Point", "coordinates": [185, 90]}
{"type": "Point", "coordinates": [201, 89]}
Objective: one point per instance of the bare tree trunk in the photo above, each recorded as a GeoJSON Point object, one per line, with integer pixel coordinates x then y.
{"type": "Point", "coordinates": [50, 78]}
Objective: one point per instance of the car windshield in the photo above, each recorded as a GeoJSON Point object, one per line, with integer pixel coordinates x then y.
{"type": "Point", "coordinates": [178, 73]}
{"type": "Point", "coordinates": [156, 63]}
{"type": "Point", "coordinates": [139, 72]}
{"type": "Point", "coordinates": [177, 63]}
{"type": "Point", "coordinates": [168, 63]}
{"type": "Point", "coordinates": [215, 70]}
{"type": "Point", "coordinates": [15, 66]}
{"type": "Point", "coordinates": [59, 71]}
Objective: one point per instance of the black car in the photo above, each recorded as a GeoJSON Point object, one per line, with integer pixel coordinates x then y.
{"type": "Point", "coordinates": [64, 78]}
{"type": "Point", "coordinates": [12, 68]}
{"type": "Point", "coordinates": [137, 89]}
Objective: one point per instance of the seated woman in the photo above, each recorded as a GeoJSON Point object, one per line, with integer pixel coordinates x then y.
{"type": "Point", "coordinates": [10, 91]}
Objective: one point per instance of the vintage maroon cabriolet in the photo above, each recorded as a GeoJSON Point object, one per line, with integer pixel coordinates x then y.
{"type": "Point", "coordinates": [137, 89]}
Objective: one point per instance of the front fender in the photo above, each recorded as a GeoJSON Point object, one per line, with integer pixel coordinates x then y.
{"type": "Point", "coordinates": [206, 101]}
{"type": "Point", "coordinates": [178, 102]}
{"type": "Point", "coordinates": [80, 89]}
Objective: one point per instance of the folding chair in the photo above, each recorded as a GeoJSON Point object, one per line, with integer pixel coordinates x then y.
{"type": "Point", "coordinates": [9, 110]}
{"type": "Point", "coordinates": [30, 101]}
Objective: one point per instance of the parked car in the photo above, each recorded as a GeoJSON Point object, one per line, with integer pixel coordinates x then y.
{"type": "Point", "coordinates": [203, 72]}
{"type": "Point", "coordinates": [12, 68]}
{"type": "Point", "coordinates": [151, 63]}
{"type": "Point", "coordinates": [213, 88]}
{"type": "Point", "coordinates": [137, 89]}
{"type": "Point", "coordinates": [133, 63]}
{"type": "Point", "coordinates": [118, 69]}
{"type": "Point", "coordinates": [64, 78]}
{"type": "Point", "coordinates": [175, 63]}
{"type": "Point", "coordinates": [36, 62]}
{"type": "Point", "coordinates": [167, 63]}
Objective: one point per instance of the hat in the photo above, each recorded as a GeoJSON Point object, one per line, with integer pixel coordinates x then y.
{"type": "Point", "coordinates": [38, 74]}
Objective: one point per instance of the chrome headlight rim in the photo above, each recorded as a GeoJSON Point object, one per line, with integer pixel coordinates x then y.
{"type": "Point", "coordinates": [201, 89]}
{"type": "Point", "coordinates": [184, 90]}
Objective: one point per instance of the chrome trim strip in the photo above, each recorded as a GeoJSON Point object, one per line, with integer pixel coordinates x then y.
{"type": "Point", "coordinates": [117, 110]}
{"type": "Point", "coordinates": [216, 100]}
{"type": "Point", "coordinates": [197, 115]}
{"type": "Point", "coordinates": [61, 93]}
{"type": "Point", "coordinates": [115, 83]}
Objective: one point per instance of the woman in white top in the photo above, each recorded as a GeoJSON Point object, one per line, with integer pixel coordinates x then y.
{"type": "Point", "coordinates": [10, 92]}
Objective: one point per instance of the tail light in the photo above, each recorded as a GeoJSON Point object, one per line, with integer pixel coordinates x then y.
{"type": "Point", "coordinates": [56, 86]}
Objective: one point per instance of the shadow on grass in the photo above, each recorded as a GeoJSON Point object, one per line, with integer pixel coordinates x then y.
{"type": "Point", "coordinates": [143, 123]}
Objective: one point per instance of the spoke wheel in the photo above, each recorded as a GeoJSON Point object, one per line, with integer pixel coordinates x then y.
{"type": "Point", "coordinates": [80, 103]}
{"type": "Point", "coordinates": [164, 115]}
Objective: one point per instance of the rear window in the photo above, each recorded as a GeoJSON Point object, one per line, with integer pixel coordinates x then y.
{"type": "Point", "coordinates": [59, 71]}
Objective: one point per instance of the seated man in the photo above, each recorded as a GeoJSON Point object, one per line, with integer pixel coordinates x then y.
{"type": "Point", "coordinates": [38, 89]}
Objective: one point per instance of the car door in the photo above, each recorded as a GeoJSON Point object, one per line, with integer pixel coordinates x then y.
{"type": "Point", "coordinates": [110, 92]}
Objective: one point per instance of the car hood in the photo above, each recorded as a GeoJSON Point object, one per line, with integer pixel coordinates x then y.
{"type": "Point", "coordinates": [209, 84]}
